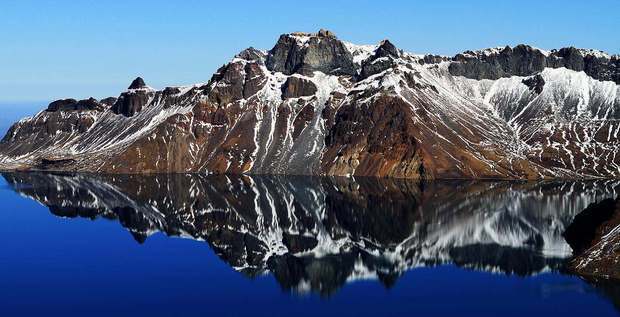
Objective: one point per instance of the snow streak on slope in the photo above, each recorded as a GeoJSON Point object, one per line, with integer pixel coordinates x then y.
{"type": "Point", "coordinates": [105, 134]}
{"type": "Point", "coordinates": [572, 124]}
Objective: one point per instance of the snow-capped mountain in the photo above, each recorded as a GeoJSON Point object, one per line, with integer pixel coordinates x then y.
{"type": "Point", "coordinates": [314, 104]}
{"type": "Point", "coordinates": [319, 233]}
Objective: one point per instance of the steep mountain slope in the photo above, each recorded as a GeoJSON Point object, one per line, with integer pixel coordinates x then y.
{"type": "Point", "coordinates": [319, 233]}
{"type": "Point", "coordinates": [314, 104]}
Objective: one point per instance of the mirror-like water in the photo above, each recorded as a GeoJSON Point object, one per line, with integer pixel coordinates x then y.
{"type": "Point", "coordinates": [269, 245]}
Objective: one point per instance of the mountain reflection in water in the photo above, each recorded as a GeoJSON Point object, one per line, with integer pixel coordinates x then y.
{"type": "Point", "coordinates": [317, 234]}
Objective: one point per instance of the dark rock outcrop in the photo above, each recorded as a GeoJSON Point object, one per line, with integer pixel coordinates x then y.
{"type": "Point", "coordinates": [89, 104]}
{"type": "Point", "coordinates": [525, 60]}
{"type": "Point", "coordinates": [305, 53]}
{"type": "Point", "coordinates": [169, 91]}
{"type": "Point", "coordinates": [74, 105]}
{"type": "Point", "coordinates": [251, 54]}
{"type": "Point", "coordinates": [295, 87]}
{"type": "Point", "coordinates": [433, 59]}
{"type": "Point", "coordinates": [132, 101]}
{"type": "Point", "coordinates": [382, 59]}
{"type": "Point", "coordinates": [536, 83]}
{"type": "Point", "coordinates": [237, 80]}
{"type": "Point", "coordinates": [61, 104]}
{"type": "Point", "coordinates": [137, 83]}
{"type": "Point", "coordinates": [386, 49]}
{"type": "Point", "coordinates": [53, 163]}
{"type": "Point", "coordinates": [109, 101]}
{"type": "Point", "coordinates": [522, 60]}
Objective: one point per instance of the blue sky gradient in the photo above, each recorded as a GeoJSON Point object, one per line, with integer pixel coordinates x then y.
{"type": "Point", "coordinates": [53, 49]}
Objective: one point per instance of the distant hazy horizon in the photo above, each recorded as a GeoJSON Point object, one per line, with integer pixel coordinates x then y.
{"type": "Point", "coordinates": [10, 112]}
{"type": "Point", "coordinates": [60, 49]}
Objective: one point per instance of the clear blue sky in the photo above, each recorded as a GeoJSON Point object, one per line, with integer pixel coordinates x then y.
{"type": "Point", "coordinates": [52, 49]}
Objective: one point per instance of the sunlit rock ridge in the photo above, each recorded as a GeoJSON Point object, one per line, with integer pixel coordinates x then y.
{"type": "Point", "coordinates": [317, 234]}
{"type": "Point", "coordinates": [317, 105]}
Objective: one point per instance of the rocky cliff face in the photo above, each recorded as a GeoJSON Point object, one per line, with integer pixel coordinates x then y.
{"type": "Point", "coordinates": [315, 104]}
{"type": "Point", "coordinates": [524, 60]}
{"type": "Point", "coordinates": [316, 234]}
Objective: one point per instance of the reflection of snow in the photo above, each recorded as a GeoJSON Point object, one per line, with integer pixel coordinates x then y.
{"type": "Point", "coordinates": [527, 218]}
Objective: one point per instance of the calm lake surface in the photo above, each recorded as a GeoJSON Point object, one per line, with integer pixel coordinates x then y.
{"type": "Point", "coordinates": [187, 245]}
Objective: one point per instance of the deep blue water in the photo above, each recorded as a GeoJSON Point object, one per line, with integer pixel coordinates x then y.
{"type": "Point", "coordinates": [75, 266]}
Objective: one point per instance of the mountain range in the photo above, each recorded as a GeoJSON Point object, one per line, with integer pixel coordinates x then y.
{"type": "Point", "coordinates": [316, 105]}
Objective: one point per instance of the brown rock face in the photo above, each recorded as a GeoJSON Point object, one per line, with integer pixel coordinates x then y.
{"type": "Point", "coordinates": [295, 87]}
{"type": "Point", "coordinates": [169, 153]}
{"type": "Point", "coordinates": [376, 139]}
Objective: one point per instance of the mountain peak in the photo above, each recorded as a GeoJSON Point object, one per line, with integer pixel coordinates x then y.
{"type": "Point", "coordinates": [137, 83]}
{"type": "Point", "coordinates": [386, 48]}
{"type": "Point", "coordinates": [304, 53]}
{"type": "Point", "coordinates": [251, 54]}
